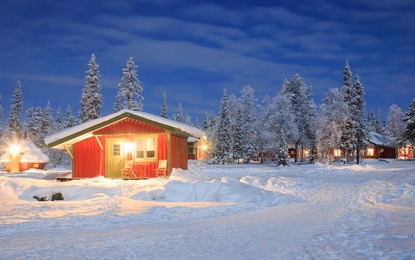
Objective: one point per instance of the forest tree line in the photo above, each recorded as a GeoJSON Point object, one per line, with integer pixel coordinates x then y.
{"type": "Point", "coordinates": [243, 129]}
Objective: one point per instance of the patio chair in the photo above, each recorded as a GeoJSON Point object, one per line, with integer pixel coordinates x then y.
{"type": "Point", "coordinates": [161, 171]}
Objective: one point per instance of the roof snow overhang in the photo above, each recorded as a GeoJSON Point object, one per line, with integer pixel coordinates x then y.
{"type": "Point", "coordinates": [86, 130]}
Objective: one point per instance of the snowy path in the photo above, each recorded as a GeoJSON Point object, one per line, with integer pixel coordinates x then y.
{"type": "Point", "coordinates": [335, 214]}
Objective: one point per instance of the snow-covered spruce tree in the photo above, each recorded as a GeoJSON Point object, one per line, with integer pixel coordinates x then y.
{"type": "Point", "coordinates": [58, 124]}
{"type": "Point", "coordinates": [266, 138]}
{"type": "Point", "coordinates": [196, 123]}
{"type": "Point", "coordinates": [239, 137]}
{"type": "Point", "coordinates": [223, 148]}
{"type": "Point", "coordinates": [282, 120]}
{"type": "Point", "coordinates": [409, 133]}
{"type": "Point", "coordinates": [33, 123]}
{"type": "Point", "coordinates": [205, 121]}
{"type": "Point", "coordinates": [355, 132]}
{"type": "Point", "coordinates": [14, 126]}
{"type": "Point", "coordinates": [248, 113]}
{"type": "Point", "coordinates": [303, 109]}
{"type": "Point", "coordinates": [69, 119]}
{"type": "Point", "coordinates": [283, 158]}
{"type": "Point", "coordinates": [164, 106]}
{"type": "Point", "coordinates": [91, 98]}
{"type": "Point", "coordinates": [46, 125]}
{"type": "Point", "coordinates": [358, 116]}
{"type": "Point", "coordinates": [372, 124]}
{"type": "Point", "coordinates": [331, 121]}
{"type": "Point", "coordinates": [118, 102]}
{"type": "Point", "coordinates": [396, 126]}
{"type": "Point", "coordinates": [129, 90]}
{"type": "Point", "coordinates": [179, 116]}
{"type": "Point", "coordinates": [233, 105]}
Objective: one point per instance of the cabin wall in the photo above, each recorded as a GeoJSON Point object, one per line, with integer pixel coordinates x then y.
{"type": "Point", "coordinates": [178, 152]}
{"type": "Point", "coordinates": [87, 157]}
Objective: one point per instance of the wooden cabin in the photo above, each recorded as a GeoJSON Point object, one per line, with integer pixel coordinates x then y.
{"type": "Point", "coordinates": [23, 156]}
{"type": "Point", "coordinates": [405, 152]}
{"type": "Point", "coordinates": [135, 140]}
{"type": "Point", "coordinates": [379, 146]}
{"type": "Point", "coordinates": [198, 148]}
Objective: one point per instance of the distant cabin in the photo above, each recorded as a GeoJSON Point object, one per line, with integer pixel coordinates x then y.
{"type": "Point", "coordinates": [380, 146]}
{"type": "Point", "coordinates": [127, 139]}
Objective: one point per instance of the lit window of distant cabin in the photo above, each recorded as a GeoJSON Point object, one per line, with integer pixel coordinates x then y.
{"type": "Point", "coordinates": [370, 152]}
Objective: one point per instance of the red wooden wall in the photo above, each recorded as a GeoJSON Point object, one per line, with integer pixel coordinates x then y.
{"type": "Point", "coordinates": [87, 157]}
{"type": "Point", "coordinates": [179, 152]}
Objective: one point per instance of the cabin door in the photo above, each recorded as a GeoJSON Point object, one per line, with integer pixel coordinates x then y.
{"type": "Point", "coordinates": [115, 157]}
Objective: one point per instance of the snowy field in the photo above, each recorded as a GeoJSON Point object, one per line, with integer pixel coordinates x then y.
{"type": "Point", "coordinates": [215, 212]}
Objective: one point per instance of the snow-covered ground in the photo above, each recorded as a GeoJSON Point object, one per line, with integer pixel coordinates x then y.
{"type": "Point", "coordinates": [215, 212]}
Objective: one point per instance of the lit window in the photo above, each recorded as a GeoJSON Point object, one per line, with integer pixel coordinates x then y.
{"type": "Point", "coordinates": [145, 148]}
{"type": "Point", "coordinates": [337, 152]}
{"type": "Point", "coordinates": [370, 152]}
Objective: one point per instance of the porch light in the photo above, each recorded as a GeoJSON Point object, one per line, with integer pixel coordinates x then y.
{"type": "Point", "coordinates": [129, 147]}
{"type": "Point", "coordinates": [204, 147]}
{"type": "Point", "coordinates": [14, 149]}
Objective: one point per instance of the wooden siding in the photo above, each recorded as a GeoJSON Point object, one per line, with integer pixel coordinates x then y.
{"type": "Point", "coordinates": [87, 158]}
{"type": "Point", "coordinates": [179, 152]}
{"type": "Point", "coordinates": [129, 125]}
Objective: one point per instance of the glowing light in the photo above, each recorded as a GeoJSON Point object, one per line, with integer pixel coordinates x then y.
{"type": "Point", "coordinates": [204, 147]}
{"type": "Point", "coordinates": [129, 147]}
{"type": "Point", "coordinates": [14, 149]}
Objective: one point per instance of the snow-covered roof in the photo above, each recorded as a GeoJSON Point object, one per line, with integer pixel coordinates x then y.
{"type": "Point", "coordinates": [85, 130]}
{"type": "Point", "coordinates": [380, 140]}
{"type": "Point", "coordinates": [29, 153]}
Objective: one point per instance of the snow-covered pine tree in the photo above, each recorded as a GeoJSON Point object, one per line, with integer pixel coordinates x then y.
{"type": "Point", "coordinates": [266, 138]}
{"type": "Point", "coordinates": [164, 106]}
{"type": "Point", "coordinates": [118, 102]}
{"type": "Point", "coordinates": [69, 120]}
{"type": "Point", "coordinates": [358, 116]}
{"type": "Point", "coordinates": [14, 125]}
{"type": "Point", "coordinates": [46, 125]}
{"type": "Point", "coordinates": [331, 121]}
{"type": "Point", "coordinates": [179, 116]}
{"type": "Point", "coordinates": [129, 90]}
{"type": "Point", "coordinates": [248, 113]}
{"type": "Point", "coordinates": [283, 157]}
{"type": "Point", "coordinates": [409, 133]}
{"type": "Point", "coordinates": [223, 147]}
{"type": "Point", "coordinates": [396, 125]}
{"type": "Point", "coordinates": [91, 98]}
{"type": "Point", "coordinates": [206, 123]}
{"type": "Point", "coordinates": [196, 123]}
{"type": "Point", "coordinates": [239, 137]}
{"type": "Point", "coordinates": [371, 124]}
{"type": "Point", "coordinates": [354, 98]}
{"type": "Point", "coordinates": [303, 109]}
{"type": "Point", "coordinates": [58, 124]}
{"type": "Point", "coordinates": [33, 123]}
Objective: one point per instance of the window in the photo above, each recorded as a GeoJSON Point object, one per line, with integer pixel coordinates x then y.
{"type": "Point", "coordinates": [116, 149]}
{"type": "Point", "coordinates": [145, 148]}
{"type": "Point", "coordinates": [337, 152]}
{"type": "Point", "coordinates": [370, 152]}
{"type": "Point", "coordinates": [191, 150]}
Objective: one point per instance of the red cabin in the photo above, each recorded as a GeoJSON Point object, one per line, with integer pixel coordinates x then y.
{"type": "Point", "coordinates": [127, 139]}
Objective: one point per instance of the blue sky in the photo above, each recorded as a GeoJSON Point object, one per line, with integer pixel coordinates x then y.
{"type": "Point", "coordinates": [195, 49]}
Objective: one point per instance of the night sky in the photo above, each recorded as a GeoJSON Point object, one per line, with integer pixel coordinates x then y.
{"type": "Point", "coordinates": [193, 50]}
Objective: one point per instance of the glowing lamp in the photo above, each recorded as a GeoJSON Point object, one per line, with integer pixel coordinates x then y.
{"type": "Point", "coordinates": [14, 149]}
